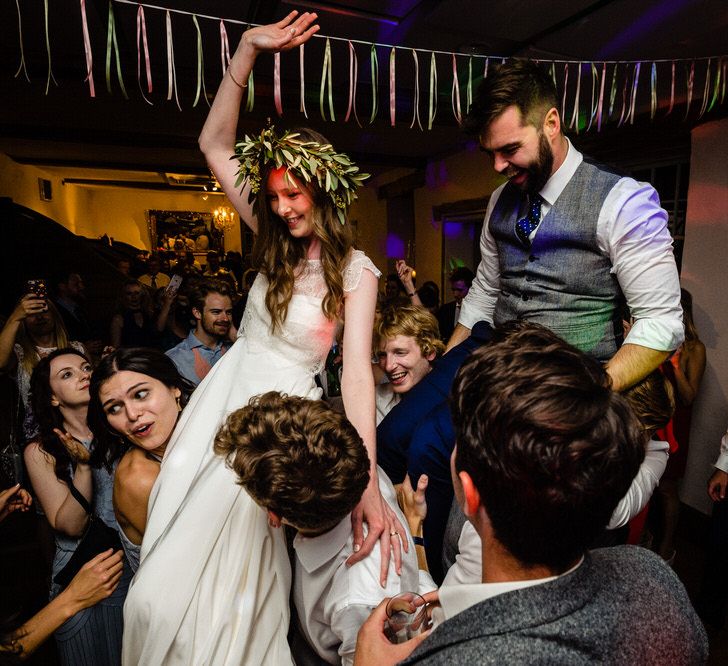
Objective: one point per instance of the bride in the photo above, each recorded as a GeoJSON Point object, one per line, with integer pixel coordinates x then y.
{"type": "Point", "coordinates": [213, 585]}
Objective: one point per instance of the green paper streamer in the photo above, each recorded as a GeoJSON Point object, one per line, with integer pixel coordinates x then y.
{"type": "Point", "coordinates": [112, 43]}
{"type": "Point", "coordinates": [200, 65]}
{"type": "Point", "coordinates": [432, 111]}
{"type": "Point", "coordinates": [613, 91]}
{"type": "Point", "coordinates": [326, 79]}
{"type": "Point", "coordinates": [48, 50]}
{"type": "Point", "coordinates": [375, 82]}
{"type": "Point", "coordinates": [716, 86]}
{"type": "Point", "coordinates": [706, 90]}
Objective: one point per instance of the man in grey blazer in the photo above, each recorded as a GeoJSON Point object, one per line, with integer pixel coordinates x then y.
{"type": "Point", "coordinates": [545, 450]}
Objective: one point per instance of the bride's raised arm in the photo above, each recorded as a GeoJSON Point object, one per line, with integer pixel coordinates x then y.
{"type": "Point", "coordinates": [217, 139]}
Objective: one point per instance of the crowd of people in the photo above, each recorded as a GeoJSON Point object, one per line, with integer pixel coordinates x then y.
{"type": "Point", "coordinates": [280, 452]}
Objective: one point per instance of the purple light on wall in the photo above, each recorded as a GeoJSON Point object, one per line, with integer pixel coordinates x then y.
{"type": "Point", "coordinates": [452, 229]}
{"type": "Point", "coordinates": [395, 247]}
{"type": "Point", "coordinates": [648, 22]}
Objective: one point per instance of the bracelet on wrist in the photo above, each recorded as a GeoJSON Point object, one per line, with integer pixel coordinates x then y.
{"type": "Point", "coordinates": [419, 541]}
{"type": "Point", "coordinates": [414, 293]}
{"type": "Point", "coordinates": [242, 86]}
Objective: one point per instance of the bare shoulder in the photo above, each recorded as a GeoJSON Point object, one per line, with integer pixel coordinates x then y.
{"type": "Point", "coordinates": [135, 475]}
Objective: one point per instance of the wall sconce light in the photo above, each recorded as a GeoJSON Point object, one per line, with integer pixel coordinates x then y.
{"type": "Point", "coordinates": [223, 218]}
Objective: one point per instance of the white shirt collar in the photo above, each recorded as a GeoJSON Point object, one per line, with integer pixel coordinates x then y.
{"type": "Point", "coordinates": [455, 599]}
{"type": "Point", "coordinates": [314, 552]}
{"type": "Point", "coordinates": [555, 185]}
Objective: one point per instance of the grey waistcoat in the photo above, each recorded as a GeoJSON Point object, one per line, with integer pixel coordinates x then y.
{"type": "Point", "coordinates": [563, 280]}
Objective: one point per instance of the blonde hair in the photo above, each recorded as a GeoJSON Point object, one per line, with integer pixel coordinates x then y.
{"type": "Point", "coordinates": [30, 353]}
{"type": "Point", "coordinates": [278, 255]}
{"type": "Point", "coordinates": [414, 322]}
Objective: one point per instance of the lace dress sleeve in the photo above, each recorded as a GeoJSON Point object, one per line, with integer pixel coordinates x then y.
{"type": "Point", "coordinates": [358, 261]}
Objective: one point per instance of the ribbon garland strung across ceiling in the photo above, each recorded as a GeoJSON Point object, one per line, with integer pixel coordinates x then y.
{"type": "Point", "coordinates": [590, 109]}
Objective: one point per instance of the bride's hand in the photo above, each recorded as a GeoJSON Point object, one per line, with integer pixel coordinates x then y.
{"type": "Point", "coordinates": [281, 36]}
{"type": "Point", "coordinates": [384, 526]}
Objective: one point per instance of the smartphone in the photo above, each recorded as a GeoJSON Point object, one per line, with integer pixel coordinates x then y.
{"type": "Point", "coordinates": [37, 287]}
{"type": "Point", "coordinates": [174, 284]}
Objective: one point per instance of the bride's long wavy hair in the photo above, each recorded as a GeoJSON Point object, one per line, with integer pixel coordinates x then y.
{"type": "Point", "coordinates": [278, 255]}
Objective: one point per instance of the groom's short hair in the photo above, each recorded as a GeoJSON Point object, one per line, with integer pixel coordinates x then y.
{"type": "Point", "coordinates": [298, 458]}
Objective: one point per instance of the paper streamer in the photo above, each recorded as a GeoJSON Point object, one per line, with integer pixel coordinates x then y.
{"type": "Point", "coordinates": [623, 115]}
{"type": "Point", "coordinates": [302, 79]}
{"type": "Point", "coordinates": [691, 84]}
{"type": "Point", "coordinates": [432, 109]}
{"type": "Point", "coordinates": [353, 81]}
{"type": "Point", "coordinates": [455, 92]}
{"type": "Point", "coordinates": [392, 87]}
{"type": "Point", "coordinates": [142, 33]}
{"type": "Point", "coordinates": [485, 69]}
{"type": "Point", "coordinates": [87, 51]}
{"type": "Point", "coordinates": [224, 48]}
{"type": "Point", "coordinates": [21, 67]}
{"type": "Point", "coordinates": [653, 91]}
{"type": "Point", "coordinates": [200, 66]}
{"type": "Point", "coordinates": [613, 91]}
{"type": "Point", "coordinates": [277, 83]}
{"type": "Point", "coordinates": [574, 124]}
{"type": "Point", "coordinates": [706, 90]}
{"type": "Point", "coordinates": [48, 49]}
{"type": "Point", "coordinates": [725, 76]}
{"type": "Point", "coordinates": [716, 86]}
{"type": "Point", "coordinates": [171, 70]}
{"type": "Point", "coordinates": [374, 61]}
{"type": "Point", "coordinates": [112, 44]}
{"type": "Point", "coordinates": [633, 102]}
{"type": "Point", "coordinates": [594, 96]}
{"type": "Point", "coordinates": [563, 93]}
{"type": "Point", "coordinates": [600, 107]}
{"type": "Point", "coordinates": [416, 112]}
{"type": "Point", "coordinates": [672, 91]}
{"type": "Point", "coordinates": [326, 79]}
{"type": "Point", "coordinates": [469, 95]}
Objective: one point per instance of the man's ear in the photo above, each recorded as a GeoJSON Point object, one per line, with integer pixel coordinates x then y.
{"type": "Point", "coordinates": [552, 123]}
{"type": "Point", "coordinates": [196, 314]}
{"type": "Point", "coordinates": [431, 356]}
{"type": "Point", "coordinates": [274, 520]}
{"type": "Point", "coordinates": [471, 495]}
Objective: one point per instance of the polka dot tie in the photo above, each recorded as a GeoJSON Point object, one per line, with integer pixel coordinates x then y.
{"type": "Point", "coordinates": [526, 225]}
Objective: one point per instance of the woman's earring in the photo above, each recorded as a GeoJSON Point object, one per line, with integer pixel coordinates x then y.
{"type": "Point", "coordinates": [179, 406]}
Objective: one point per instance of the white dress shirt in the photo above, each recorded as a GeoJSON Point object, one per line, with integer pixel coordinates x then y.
{"type": "Point", "coordinates": [722, 462]}
{"type": "Point", "coordinates": [468, 566]}
{"type": "Point", "coordinates": [632, 232]}
{"type": "Point", "coordinates": [334, 600]}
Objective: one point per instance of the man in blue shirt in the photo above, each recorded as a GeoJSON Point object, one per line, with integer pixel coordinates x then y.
{"type": "Point", "coordinates": [212, 309]}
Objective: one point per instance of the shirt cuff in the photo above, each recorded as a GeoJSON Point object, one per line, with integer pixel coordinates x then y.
{"type": "Point", "coordinates": [722, 462]}
{"type": "Point", "coordinates": [660, 334]}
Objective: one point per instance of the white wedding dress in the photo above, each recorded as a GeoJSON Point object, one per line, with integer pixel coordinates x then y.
{"type": "Point", "coordinates": [214, 580]}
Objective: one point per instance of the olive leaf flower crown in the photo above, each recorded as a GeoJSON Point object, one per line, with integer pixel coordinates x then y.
{"type": "Point", "coordinates": [335, 173]}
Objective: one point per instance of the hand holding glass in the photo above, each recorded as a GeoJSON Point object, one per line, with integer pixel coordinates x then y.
{"type": "Point", "coordinates": [407, 616]}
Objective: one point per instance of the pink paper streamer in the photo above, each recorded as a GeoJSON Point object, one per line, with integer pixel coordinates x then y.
{"type": "Point", "coordinates": [392, 87]}
{"type": "Point", "coordinates": [87, 51]}
{"type": "Point", "coordinates": [302, 79]}
{"type": "Point", "coordinates": [416, 114]}
{"type": "Point", "coordinates": [171, 69]}
{"type": "Point", "coordinates": [353, 79]}
{"type": "Point", "coordinates": [672, 91]}
{"type": "Point", "coordinates": [485, 69]}
{"type": "Point", "coordinates": [224, 48]}
{"type": "Point", "coordinates": [600, 106]}
{"type": "Point", "coordinates": [277, 83]}
{"type": "Point", "coordinates": [455, 93]}
{"type": "Point", "coordinates": [563, 94]}
{"type": "Point", "coordinates": [142, 32]}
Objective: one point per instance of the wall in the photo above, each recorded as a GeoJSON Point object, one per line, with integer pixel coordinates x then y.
{"type": "Point", "coordinates": [705, 258]}
{"type": "Point", "coordinates": [95, 210]}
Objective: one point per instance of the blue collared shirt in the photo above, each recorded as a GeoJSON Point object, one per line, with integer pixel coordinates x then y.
{"type": "Point", "coordinates": [194, 359]}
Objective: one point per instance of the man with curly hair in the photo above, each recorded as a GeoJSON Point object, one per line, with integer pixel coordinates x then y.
{"type": "Point", "coordinates": [306, 465]}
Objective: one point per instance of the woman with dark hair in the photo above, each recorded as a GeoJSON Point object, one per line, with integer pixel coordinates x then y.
{"type": "Point", "coordinates": [61, 457]}
{"type": "Point", "coordinates": [296, 190]}
{"type": "Point", "coordinates": [136, 397]}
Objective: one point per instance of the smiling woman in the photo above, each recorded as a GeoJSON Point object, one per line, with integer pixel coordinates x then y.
{"type": "Point", "coordinates": [136, 396]}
